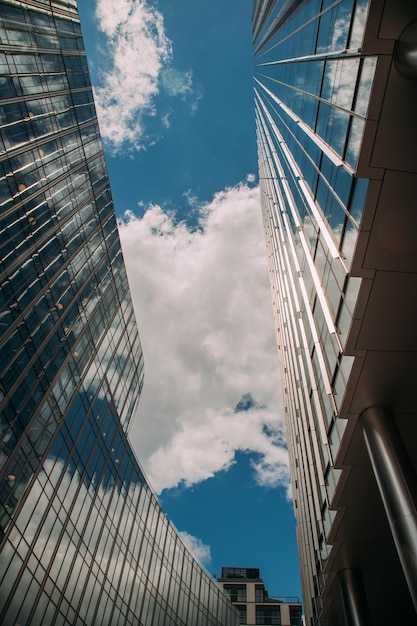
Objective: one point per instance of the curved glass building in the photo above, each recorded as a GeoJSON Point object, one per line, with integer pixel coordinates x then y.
{"type": "Point", "coordinates": [335, 98]}
{"type": "Point", "coordinates": [83, 540]}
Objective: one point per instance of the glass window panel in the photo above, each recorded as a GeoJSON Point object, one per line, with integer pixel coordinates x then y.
{"type": "Point", "coordinates": [358, 24]}
{"type": "Point", "coordinates": [354, 141]}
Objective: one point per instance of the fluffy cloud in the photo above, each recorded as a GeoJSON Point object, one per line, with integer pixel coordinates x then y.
{"type": "Point", "coordinates": [199, 549]}
{"type": "Point", "coordinates": [204, 312]}
{"type": "Point", "coordinates": [136, 57]}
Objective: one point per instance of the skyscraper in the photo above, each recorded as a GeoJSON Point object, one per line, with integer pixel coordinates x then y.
{"type": "Point", "coordinates": [83, 540]}
{"type": "Point", "coordinates": [335, 98]}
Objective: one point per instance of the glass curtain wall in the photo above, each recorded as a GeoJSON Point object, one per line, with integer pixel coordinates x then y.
{"type": "Point", "coordinates": [312, 84]}
{"type": "Point", "coordinates": [82, 538]}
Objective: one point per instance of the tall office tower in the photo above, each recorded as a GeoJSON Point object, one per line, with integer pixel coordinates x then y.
{"type": "Point", "coordinates": [83, 540]}
{"type": "Point", "coordinates": [336, 98]}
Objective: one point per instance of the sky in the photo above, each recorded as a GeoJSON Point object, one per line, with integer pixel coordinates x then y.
{"type": "Point", "coordinates": [174, 96]}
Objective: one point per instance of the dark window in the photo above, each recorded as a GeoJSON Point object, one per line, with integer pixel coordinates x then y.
{"type": "Point", "coordinates": [268, 615]}
{"type": "Point", "coordinates": [295, 615]}
{"type": "Point", "coordinates": [242, 614]}
{"type": "Point", "coordinates": [260, 594]}
{"type": "Point", "coordinates": [240, 572]}
{"type": "Point", "coordinates": [236, 593]}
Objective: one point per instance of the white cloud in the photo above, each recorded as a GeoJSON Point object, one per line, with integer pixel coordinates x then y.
{"type": "Point", "coordinates": [199, 549]}
{"type": "Point", "coordinates": [137, 48]}
{"type": "Point", "coordinates": [176, 83]}
{"type": "Point", "coordinates": [136, 51]}
{"type": "Point", "coordinates": [134, 67]}
{"type": "Point", "coordinates": [165, 120]}
{"type": "Point", "coordinates": [191, 199]}
{"type": "Point", "coordinates": [204, 312]}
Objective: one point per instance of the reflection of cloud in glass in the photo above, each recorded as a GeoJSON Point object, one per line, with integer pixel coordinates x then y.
{"type": "Point", "coordinates": [340, 80]}
{"type": "Point", "coordinates": [93, 544]}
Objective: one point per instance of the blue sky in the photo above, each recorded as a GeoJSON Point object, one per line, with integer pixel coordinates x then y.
{"type": "Point", "coordinates": [173, 87]}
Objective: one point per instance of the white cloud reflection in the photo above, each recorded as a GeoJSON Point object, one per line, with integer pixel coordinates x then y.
{"type": "Point", "coordinates": [204, 312]}
{"type": "Point", "coordinates": [59, 493]}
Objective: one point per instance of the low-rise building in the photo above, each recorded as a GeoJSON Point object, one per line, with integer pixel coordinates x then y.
{"type": "Point", "coordinates": [246, 590]}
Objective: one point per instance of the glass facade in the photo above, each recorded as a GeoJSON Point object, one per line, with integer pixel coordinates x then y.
{"type": "Point", "coordinates": [82, 538]}
{"type": "Point", "coordinates": [322, 71]}
{"type": "Point", "coordinates": [311, 89]}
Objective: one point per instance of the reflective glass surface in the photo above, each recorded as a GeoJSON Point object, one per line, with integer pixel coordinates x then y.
{"type": "Point", "coordinates": [83, 540]}
{"type": "Point", "coordinates": [312, 86]}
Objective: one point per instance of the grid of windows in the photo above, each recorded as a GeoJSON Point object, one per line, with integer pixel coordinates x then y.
{"type": "Point", "coordinates": [260, 593]}
{"type": "Point", "coordinates": [268, 615]}
{"type": "Point", "coordinates": [240, 572]}
{"type": "Point", "coordinates": [312, 86]}
{"type": "Point", "coordinates": [295, 616]}
{"type": "Point", "coordinates": [242, 614]}
{"type": "Point", "coordinates": [236, 593]}
{"type": "Point", "coordinates": [252, 600]}
{"type": "Point", "coordinates": [82, 538]}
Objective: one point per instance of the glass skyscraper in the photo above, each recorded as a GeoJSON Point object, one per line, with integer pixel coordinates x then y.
{"type": "Point", "coordinates": [83, 540]}
{"type": "Point", "coordinates": [335, 99]}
